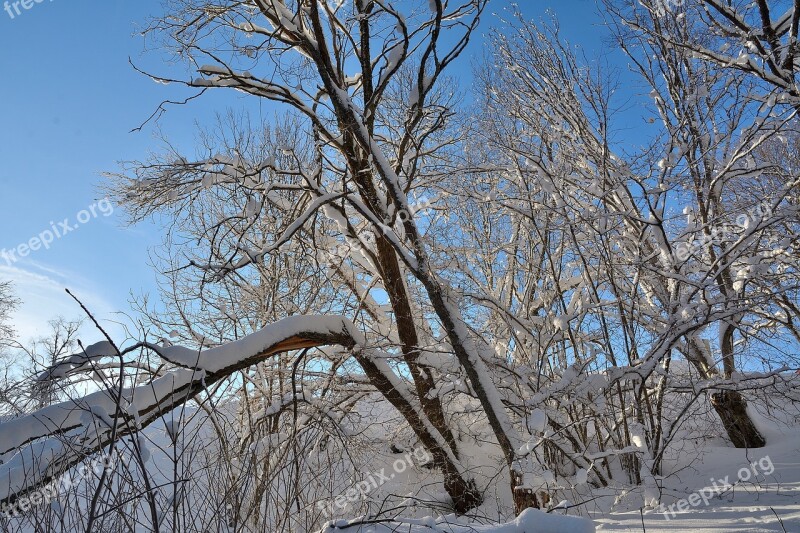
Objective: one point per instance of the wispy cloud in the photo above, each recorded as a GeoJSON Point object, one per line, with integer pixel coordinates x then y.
{"type": "Point", "coordinates": [41, 289]}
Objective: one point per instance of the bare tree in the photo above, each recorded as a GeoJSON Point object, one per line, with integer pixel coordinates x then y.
{"type": "Point", "coordinates": [703, 106]}
{"type": "Point", "coordinates": [7, 304]}
{"type": "Point", "coordinates": [363, 166]}
{"type": "Point", "coordinates": [758, 39]}
{"type": "Point", "coordinates": [45, 353]}
{"type": "Point", "coordinates": [588, 243]}
{"type": "Point", "coordinates": [513, 276]}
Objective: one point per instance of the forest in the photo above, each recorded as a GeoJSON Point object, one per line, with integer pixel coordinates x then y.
{"type": "Point", "coordinates": [468, 277]}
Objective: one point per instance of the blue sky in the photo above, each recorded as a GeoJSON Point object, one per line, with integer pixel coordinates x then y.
{"type": "Point", "coordinates": [69, 102]}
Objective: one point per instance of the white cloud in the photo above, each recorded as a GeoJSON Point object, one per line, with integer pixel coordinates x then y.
{"type": "Point", "coordinates": [41, 289]}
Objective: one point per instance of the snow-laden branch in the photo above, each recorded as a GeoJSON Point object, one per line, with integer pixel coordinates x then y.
{"type": "Point", "coordinates": [42, 445]}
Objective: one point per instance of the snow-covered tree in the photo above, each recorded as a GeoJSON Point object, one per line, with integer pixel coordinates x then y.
{"type": "Point", "coordinates": [340, 66]}
{"type": "Point", "coordinates": [588, 243]}
{"type": "Point", "coordinates": [509, 276]}
{"type": "Point", "coordinates": [757, 39]}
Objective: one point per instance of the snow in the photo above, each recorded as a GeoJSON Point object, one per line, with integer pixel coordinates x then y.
{"type": "Point", "coordinates": [747, 507]}
{"type": "Point", "coordinates": [530, 521]}
{"type": "Point", "coordinates": [537, 420]}
{"type": "Point", "coordinates": [80, 427]}
{"type": "Point", "coordinates": [35, 446]}
{"type": "Point", "coordinates": [395, 55]}
{"type": "Point", "coordinates": [252, 207]}
{"type": "Point", "coordinates": [751, 502]}
{"type": "Point", "coordinates": [78, 361]}
{"type": "Point", "coordinates": [216, 359]}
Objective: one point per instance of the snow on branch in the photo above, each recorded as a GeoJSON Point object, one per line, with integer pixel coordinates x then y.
{"type": "Point", "coordinates": [38, 447]}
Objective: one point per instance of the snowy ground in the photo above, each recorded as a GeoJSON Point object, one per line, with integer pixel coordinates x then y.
{"type": "Point", "coordinates": [757, 504]}
{"type": "Point", "coordinates": [745, 490]}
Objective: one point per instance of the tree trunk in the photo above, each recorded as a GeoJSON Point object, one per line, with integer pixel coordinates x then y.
{"type": "Point", "coordinates": [392, 276]}
{"type": "Point", "coordinates": [729, 405]}
{"type": "Point", "coordinates": [732, 410]}
{"type": "Point", "coordinates": [525, 498]}
{"type": "Point", "coordinates": [463, 491]}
